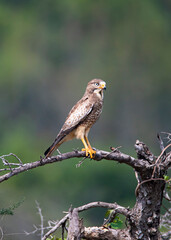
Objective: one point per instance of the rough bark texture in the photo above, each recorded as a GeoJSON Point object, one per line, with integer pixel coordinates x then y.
{"type": "Point", "coordinates": [75, 226]}
{"type": "Point", "coordinates": [145, 216]}
{"type": "Point", "coordinates": [96, 233]}
{"type": "Point", "coordinates": [143, 219]}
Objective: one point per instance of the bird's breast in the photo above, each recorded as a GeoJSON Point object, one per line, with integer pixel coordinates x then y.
{"type": "Point", "coordinates": [94, 115]}
{"type": "Point", "coordinates": [87, 123]}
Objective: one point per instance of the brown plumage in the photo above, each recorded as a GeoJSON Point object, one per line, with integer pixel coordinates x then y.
{"type": "Point", "coordinates": [81, 118]}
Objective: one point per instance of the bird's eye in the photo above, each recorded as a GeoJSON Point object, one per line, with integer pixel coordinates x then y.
{"type": "Point", "coordinates": [97, 84]}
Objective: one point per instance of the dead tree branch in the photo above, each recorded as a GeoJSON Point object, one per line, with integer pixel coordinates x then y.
{"type": "Point", "coordinates": [137, 164]}
{"type": "Point", "coordinates": [41, 219]}
{"type": "Point", "coordinates": [168, 136]}
{"type": "Point", "coordinates": [103, 233]}
{"type": "Point", "coordinates": [75, 225]}
{"type": "Point", "coordinates": [11, 166]}
{"type": "Point", "coordinates": [143, 219]}
{"type": "Point", "coordinates": [118, 209]}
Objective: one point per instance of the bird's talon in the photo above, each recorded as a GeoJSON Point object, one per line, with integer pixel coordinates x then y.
{"type": "Point", "coordinates": [89, 151]}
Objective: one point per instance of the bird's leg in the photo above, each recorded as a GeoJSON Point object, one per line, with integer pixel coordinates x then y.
{"type": "Point", "coordinates": [85, 145]}
{"type": "Point", "coordinates": [88, 143]}
{"type": "Point", "coordinates": [88, 148]}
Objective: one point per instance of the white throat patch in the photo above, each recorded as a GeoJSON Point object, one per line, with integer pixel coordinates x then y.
{"type": "Point", "coordinates": [99, 93]}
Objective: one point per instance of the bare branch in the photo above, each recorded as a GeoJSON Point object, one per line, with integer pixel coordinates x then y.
{"type": "Point", "coordinates": [149, 169]}
{"type": "Point", "coordinates": [168, 136]}
{"type": "Point", "coordinates": [80, 162]}
{"type": "Point", "coordinates": [118, 209]}
{"type": "Point", "coordinates": [159, 159]}
{"type": "Point", "coordinates": [41, 219]}
{"type": "Point", "coordinates": [75, 225]}
{"type": "Point", "coordinates": [51, 224]}
{"type": "Point", "coordinates": [166, 196]}
{"type": "Point", "coordinates": [167, 162]}
{"type": "Point", "coordinates": [52, 230]}
{"type": "Point", "coordinates": [41, 228]}
{"type": "Point", "coordinates": [122, 210]}
{"type": "Point", "coordinates": [2, 233]}
{"type": "Point", "coordinates": [100, 154]}
{"type": "Point", "coordinates": [9, 164]}
{"type": "Point", "coordinates": [161, 143]}
{"type": "Point", "coordinates": [143, 152]}
{"type": "Point", "coordinates": [3, 157]}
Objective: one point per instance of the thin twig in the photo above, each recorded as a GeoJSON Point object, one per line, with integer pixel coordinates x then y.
{"type": "Point", "coordinates": [63, 230]}
{"type": "Point", "coordinates": [41, 219]}
{"type": "Point", "coordinates": [168, 136]}
{"type": "Point", "coordinates": [11, 154]}
{"type": "Point", "coordinates": [52, 230]}
{"type": "Point", "coordinates": [2, 234]}
{"type": "Point", "coordinates": [51, 224]}
{"type": "Point", "coordinates": [161, 143]}
{"type": "Point", "coordinates": [166, 195]}
{"type": "Point", "coordinates": [114, 150]}
{"type": "Point", "coordinates": [58, 151]}
{"type": "Point", "coordinates": [80, 162]}
{"type": "Point", "coordinates": [145, 181]}
{"type": "Point", "coordinates": [156, 163]}
{"type": "Point", "coordinates": [10, 165]}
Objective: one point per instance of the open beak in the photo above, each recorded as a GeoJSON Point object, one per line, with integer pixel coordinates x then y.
{"type": "Point", "coordinates": [103, 86]}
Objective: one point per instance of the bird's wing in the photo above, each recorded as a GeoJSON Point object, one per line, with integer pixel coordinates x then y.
{"type": "Point", "coordinates": [77, 114]}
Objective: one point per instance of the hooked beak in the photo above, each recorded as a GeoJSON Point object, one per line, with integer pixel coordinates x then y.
{"type": "Point", "coordinates": [103, 86]}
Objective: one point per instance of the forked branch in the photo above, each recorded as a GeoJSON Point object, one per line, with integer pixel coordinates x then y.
{"type": "Point", "coordinates": [150, 172]}
{"type": "Point", "coordinates": [117, 208]}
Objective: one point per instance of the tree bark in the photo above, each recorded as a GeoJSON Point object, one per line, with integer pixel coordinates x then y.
{"type": "Point", "coordinates": [145, 215]}
{"type": "Point", "coordinates": [143, 219]}
{"type": "Point", "coordinates": [96, 233]}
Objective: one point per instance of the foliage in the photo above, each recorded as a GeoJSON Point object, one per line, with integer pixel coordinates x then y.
{"type": "Point", "coordinates": [115, 222]}
{"type": "Point", "coordinates": [10, 210]}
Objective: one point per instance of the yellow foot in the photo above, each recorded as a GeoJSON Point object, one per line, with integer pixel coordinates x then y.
{"type": "Point", "coordinates": [89, 151]}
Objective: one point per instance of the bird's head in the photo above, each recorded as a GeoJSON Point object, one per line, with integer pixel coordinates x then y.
{"type": "Point", "coordinates": [96, 86]}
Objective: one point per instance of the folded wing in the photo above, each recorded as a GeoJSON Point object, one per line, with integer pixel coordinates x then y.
{"type": "Point", "coordinates": [75, 117]}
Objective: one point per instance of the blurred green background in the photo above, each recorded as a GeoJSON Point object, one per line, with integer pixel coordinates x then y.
{"type": "Point", "coordinates": [49, 50]}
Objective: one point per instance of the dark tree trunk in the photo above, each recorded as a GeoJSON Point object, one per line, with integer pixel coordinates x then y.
{"type": "Point", "coordinates": [143, 219]}
{"type": "Point", "coordinates": [145, 216]}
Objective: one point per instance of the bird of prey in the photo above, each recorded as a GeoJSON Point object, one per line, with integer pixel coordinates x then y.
{"type": "Point", "coordinates": [81, 118]}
